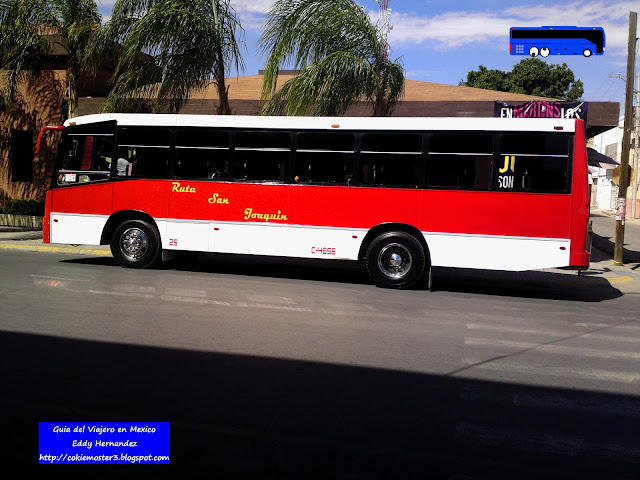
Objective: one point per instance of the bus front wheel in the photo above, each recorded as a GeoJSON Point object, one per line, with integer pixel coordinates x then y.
{"type": "Point", "coordinates": [586, 52]}
{"type": "Point", "coordinates": [395, 260]}
{"type": "Point", "coordinates": [135, 244]}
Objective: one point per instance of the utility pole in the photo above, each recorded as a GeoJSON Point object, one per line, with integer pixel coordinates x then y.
{"type": "Point", "coordinates": [626, 142]}
{"type": "Point", "coordinates": [636, 157]}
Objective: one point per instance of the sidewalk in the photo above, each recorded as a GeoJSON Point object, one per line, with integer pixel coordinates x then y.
{"type": "Point", "coordinates": [18, 238]}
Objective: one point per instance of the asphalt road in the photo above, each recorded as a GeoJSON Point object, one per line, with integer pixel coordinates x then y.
{"type": "Point", "coordinates": [275, 369]}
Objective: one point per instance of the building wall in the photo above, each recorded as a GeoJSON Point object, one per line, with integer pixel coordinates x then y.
{"type": "Point", "coordinates": [37, 103]}
{"type": "Point", "coordinates": [610, 143]}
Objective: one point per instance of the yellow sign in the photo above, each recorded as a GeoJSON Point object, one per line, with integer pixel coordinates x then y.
{"type": "Point", "coordinates": [615, 175]}
{"type": "Point", "coordinates": [506, 164]}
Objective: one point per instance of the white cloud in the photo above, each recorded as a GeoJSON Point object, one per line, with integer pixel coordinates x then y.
{"type": "Point", "coordinates": [252, 6]}
{"type": "Point", "coordinates": [420, 73]}
{"type": "Point", "coordinates": [451, 29]}
{"type": "Point", "coordinates": [105, 3]}
{"type": "Point", "coordinates": [251, 12]}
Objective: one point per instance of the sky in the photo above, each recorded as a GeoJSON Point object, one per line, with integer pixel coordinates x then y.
{"type": "Point", "coordinates": [441, 41]}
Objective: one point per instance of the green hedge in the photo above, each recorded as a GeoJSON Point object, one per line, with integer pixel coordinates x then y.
{"type": "Point", "coordinates": [24, 207]}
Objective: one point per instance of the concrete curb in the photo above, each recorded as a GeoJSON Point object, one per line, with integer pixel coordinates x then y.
{"type": "Point", "coordinates": [45, 248]}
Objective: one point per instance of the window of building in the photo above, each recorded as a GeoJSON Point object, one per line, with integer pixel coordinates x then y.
{"type": "Point", "coordinates": [21, 155]}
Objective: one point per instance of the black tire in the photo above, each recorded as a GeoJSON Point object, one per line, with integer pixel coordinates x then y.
{"type": "Point", "coordinates": [586, 52]}
{"type": "Point", "coordinates": [135, 244]}
{"type": "Point", "coordinates": [395, 260]}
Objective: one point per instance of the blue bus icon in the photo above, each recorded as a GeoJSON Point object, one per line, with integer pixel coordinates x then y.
{"type": "Point", "coordinates": [557, 40]}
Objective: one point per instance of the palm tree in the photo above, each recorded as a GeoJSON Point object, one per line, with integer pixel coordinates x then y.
{"type": "Point", "coordinates": [171, 48]}
{"type": "Point", "coordinates": [341, 56]}
{"type": "Point", "coordinates": [33, 29]}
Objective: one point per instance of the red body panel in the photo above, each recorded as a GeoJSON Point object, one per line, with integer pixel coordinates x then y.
{"type": "Point", "coordinates": [228, 202]}
{"type": "Point", "coordinates": [450, 211]}
{"type": "Point", "coordinates": [353, 207]}
{"type": "Point", "coordinates": [579, 200]}
{"type": "Point", "coordinates": [496, 213]}
{"type": "Point", "coordinates": [90, 199]}
{"type": "Point", "coordinates": [149, 196]}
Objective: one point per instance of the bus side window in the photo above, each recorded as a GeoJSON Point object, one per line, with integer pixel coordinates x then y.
{"type": "Point", "coordinates": [534, 162]}
{"type": "Point", "coordinates": [460, 161]}
{"type": "Point", "coordinates": [148, 151]}
{"type": "Point", "coordinates": [202, 153]}
{"type": "Point", "coordinates": [325, 158]}
{"type": "Point", "coordinates": [261, 156]}
{"type": "Point", "coordinates": [391, 159]}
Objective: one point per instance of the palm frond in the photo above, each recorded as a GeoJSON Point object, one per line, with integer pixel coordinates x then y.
{"type": "Point", "coordinates": [190, 44]}
{"type": "Point", "coordinates": [302, 32]}
{"type": "Point", "coordinates": [340, 56]}
{"type": "Point", "coordinates": [326, 87]}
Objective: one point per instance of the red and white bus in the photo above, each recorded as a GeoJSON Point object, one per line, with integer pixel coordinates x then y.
{"type": "Point", "coordinates": [399, 194]}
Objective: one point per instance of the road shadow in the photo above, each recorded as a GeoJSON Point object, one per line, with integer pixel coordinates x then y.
{"type": "Point", "coordinates": [536, 284]}
{"type": "Point", "coordinates": [607, 244]}
{"type": "Point", "coordinates": [237, 416]}
{"type": "Point", "coordinates": [530, 284]}
{"type": "Point", "coordinates": [340, 271]}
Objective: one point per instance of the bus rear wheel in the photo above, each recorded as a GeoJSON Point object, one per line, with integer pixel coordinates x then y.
{"type": "Point", "coordinates": [395, 260]}
{"type": "Point", "coordinates": [135, 244]}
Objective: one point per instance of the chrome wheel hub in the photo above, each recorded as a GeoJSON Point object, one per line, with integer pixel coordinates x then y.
{"type": "Point", "coordinates": [395, 260]}
{"type": "Point", "coordinates": [134, 243]}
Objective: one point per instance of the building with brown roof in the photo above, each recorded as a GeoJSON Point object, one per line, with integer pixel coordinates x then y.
{"type": "Point", "coordinates": [421, 99]}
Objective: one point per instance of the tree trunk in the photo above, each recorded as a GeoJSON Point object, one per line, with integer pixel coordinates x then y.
{"type": "Point", "coordinates": [378, 106]}
{"type": "Point", "coordinates": [223, 94]}
{"type": "Point", "coordinates": [72, 89]}
{"type": "Point", "coordinates": [223, 90]}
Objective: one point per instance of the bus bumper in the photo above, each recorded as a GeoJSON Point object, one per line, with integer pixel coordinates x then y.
{"type": "Point", "coordinates": [579, 261]}
{"type": "Point", "coordinates": [46, 220]}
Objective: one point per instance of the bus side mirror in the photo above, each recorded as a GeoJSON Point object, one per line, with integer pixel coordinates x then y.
{"type": "Point", "coordinates": [43, 131]}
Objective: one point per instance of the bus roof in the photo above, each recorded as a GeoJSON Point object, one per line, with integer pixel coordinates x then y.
{"type": "Point", "coordinates": [331, 123]}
